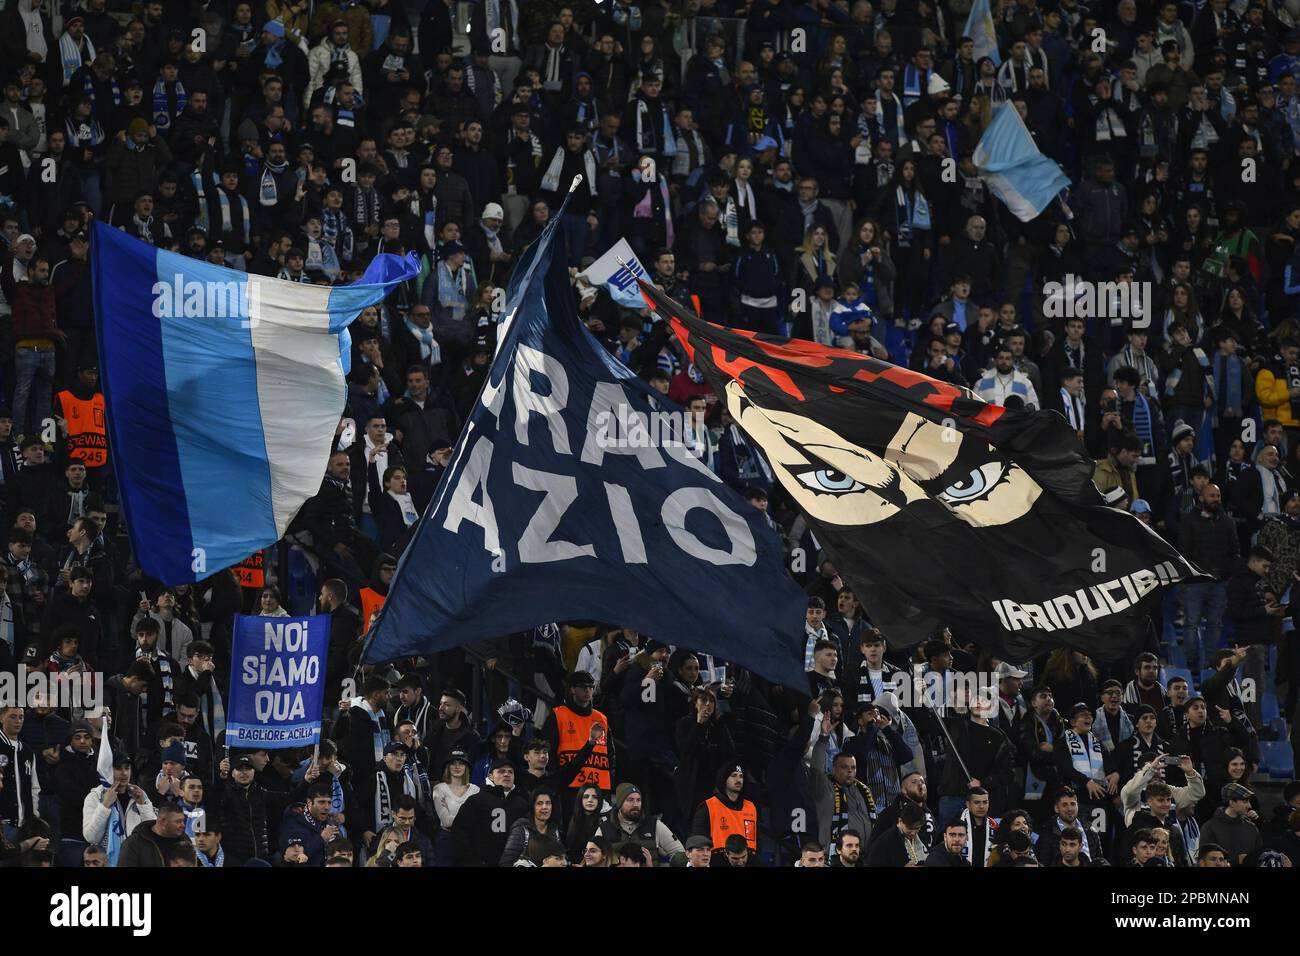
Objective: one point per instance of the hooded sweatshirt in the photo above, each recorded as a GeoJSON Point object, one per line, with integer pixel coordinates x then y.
{"type": "Point", "coordinates": [1237, 835]}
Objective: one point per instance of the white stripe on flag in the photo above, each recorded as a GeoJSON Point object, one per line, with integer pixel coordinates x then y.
{"type": "Point", "coordinates": [300, 386]}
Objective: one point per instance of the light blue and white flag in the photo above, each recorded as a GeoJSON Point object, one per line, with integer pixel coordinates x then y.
{"type": "Point", "coordinates": [116, 830]}
{"type": "Point", "coordinates": [618, 278]}
{"type": "Point", "coordinates": [1011, 165]}
{"type": "Point", "coordinates": [979, 27]}
{"type": "Point", "coordinates": [223, 391]}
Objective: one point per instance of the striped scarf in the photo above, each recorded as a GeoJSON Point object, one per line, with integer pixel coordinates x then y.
{"type": "Point", "coordinates": [71, 57]}
{"type": "Point", "coordinates": [840, 808]}
{"type": "Point", "coordinates": [336, 231]}
{"type": "Point", "coordinates": [88, 87]}
{"type": "Point", "coordinates": [1142, 420]}
{"type": "Point", "coordinates": [1227, 372]}
{"type": "Point", "coordinates": [163, 665]}
{"type": "Point", "coordinates": [162, 113]}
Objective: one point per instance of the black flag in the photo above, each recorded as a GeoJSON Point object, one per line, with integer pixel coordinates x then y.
{"type": "Point", "coordinates": [936, 507]}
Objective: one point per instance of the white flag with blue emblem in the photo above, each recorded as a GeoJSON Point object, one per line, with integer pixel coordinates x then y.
{"type": "Point", "coordinates": [617, 270]}
{"type": "Point", "coordinates": [1011, 165]}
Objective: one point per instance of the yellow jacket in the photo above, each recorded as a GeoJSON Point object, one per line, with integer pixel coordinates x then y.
{"type": "Point", "coordinates": [1107, 478]}
{"type": "Point", "coordinates": [1274, 398]}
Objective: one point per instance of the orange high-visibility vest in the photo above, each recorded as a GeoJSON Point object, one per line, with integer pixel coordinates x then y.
{"type": "Point", "coordinates": [724, 821]}
{"type": "Point", "coordinates": [87, 434]}
{"type": "Point", "coordinates": [252, 571]}
{"type": "Point", "coordinates": [574, 732]}
{"type": "Point", "coordinates": [371, 601]}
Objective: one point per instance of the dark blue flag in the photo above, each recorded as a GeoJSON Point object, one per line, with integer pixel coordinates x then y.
{"type": "Point", "coordinates": [571, 495]}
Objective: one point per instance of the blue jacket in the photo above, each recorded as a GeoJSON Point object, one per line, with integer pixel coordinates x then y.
{"type": "Point", "coordinates": [758, 273]}
{"type": "Point", "coordinates": [298, 824]}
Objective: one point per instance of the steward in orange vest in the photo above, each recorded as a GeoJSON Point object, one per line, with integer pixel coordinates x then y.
{"type": "Point", "coordinates": [727, 813]}
{"type": "Point", "coordinates": [375, 594]}
{"type": "Point", "coordinates": [568, 729]}
{"type": "Point", "coordinates": [82, 409]}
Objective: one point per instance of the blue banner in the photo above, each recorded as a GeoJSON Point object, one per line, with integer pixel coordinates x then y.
{"type": "Point", "coordinates": [277, 681]}
{"type": "Point", "coordinates": [571, 496]}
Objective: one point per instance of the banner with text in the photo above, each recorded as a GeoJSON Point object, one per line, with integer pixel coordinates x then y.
{"type": "Point", "coordinates": [277, 681]}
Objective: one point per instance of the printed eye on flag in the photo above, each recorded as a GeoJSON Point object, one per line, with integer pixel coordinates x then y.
{"type": "Point", "coordinates": [569, 498]}
{"type": "Point", "coordinates": [617, 270]}
{"type": "Point", "coordinates": [223, 391]}
{"type": "Point", "coordinates": [1011, 165]}
{"type": "Point", "coordinates": [937, 508]}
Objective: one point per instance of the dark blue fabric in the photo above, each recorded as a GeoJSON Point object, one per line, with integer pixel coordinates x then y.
{"type": "Point", "coordinates": [450, 589]}
{"type": "Point", "coordinates": [133, 372]}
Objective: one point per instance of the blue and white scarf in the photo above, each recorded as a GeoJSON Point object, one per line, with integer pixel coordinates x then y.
{"type": "Point", "coordinates": [116, 832]}
{"type": "Point", "coordinates": [1034, 787]}
{"type": "Point", "coordinates": [1101, 729]}
{"type": "Point", "coordinates": [274, 56]}
{"type": "Point", "coordinates": [380, 734]}
{"type": "Point", "coordinates": [162, 115]}
{"type": "Point", "coordinates": [430, 352]}
{"type": "Point", "coordinates": [1228, 373]}
{"type": "Point", "coordinates": [1142, 425]}
{"type": "Point", "coordinates": [268, 189]}
{"type": "Point", "coordinates": [219, 862]}
{"type": "Point", "coordinates": [492, 16]}
{"type": "Point", "coordinates": [914, 84]}
{"type": "Point", "coordinates": [336, 230]}
{"type": "Point", "coordinates": [454, 289]}
{"type": "Point", "coordinates": [913, 213]}
{"type": "Point", "coordinates": [163, 665]}
{"type": "Point", "coordinates": [1085, 755]}
{"type": "Point", "coordinates": [70, 55]}
{"type": "Point", "coordinates": [88, 87]}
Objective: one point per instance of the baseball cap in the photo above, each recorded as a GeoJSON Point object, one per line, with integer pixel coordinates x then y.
{"type": "Point", "coordinates": [244, 762]}
{"type": "Point", "coordinates": [393, 746]}
{"type": "Point", "coordinates": [1006, 669]}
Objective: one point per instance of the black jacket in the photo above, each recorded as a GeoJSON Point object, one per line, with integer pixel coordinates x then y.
{"type": "Point", "coordinates": [74, 777]}
{"type": "Point", "coordinates": [941, 857]}
{"type": "Point", "coordinates": [483, 825]}
{"type": "Point", "coordinates": [1245, 608]}
{"type": "Point", "coordinates": [988, 756]}
{"type": "Point", "coordinates": [244, 813]}
{"type": "Point", "coordinates": [345, 625]}
{"type": "Point", "coordinates": [701, 750]}
{"type": "Point", "coordinates": [888, 849]}
{"type": "Point", "coordinates": [1210, 542]}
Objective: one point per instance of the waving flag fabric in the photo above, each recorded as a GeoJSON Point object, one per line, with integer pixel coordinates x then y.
{"type": "Point", "coordinates": [1011, 165]}
{"type": "Point", "coordinates": [979, 27]}
{"type": "Point", "coordinates": [571, 495]}
{"type": "Point", "coordinates": [937, 508]}
{"type": "Point", "coordinates": [222, 391]}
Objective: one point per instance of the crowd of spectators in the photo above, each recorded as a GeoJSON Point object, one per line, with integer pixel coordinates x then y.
{"type": "Point", "coordinates": [795, 167]}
